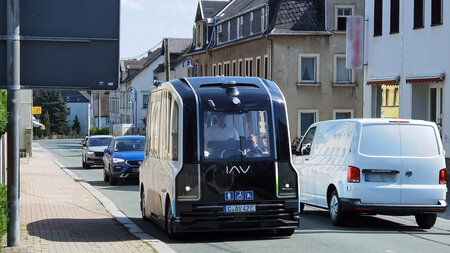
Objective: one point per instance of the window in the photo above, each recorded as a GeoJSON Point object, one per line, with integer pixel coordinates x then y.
{"type": "Point", "coordinates": [226, 68]}
{"type": "Point", "coordinates": [174, 131]}
{"type": "Point", "coordinates": [378, 18]}
{"type": "Point", "coordinates": [214, 69]}
{"type": "Point", "coordinates": [305, 119]}
{"type": "Point", "coordinates": [144, 101]}
{"type": "Point", "coordinates": [219, 30]}
{"type": "Point", "coordinates": [308, 64]}
{"type": "Point", "coordinates": [233, 71]}
{"type": "Point", "coordinates": [258, 66]}
{"type": "Point", "coordinates": [199, 34]}
{"type": "Point", "coordinates": [251, 23]}
{"type": "Point", "coordinates": [343, 113]}
{"type": "Point", "coordinates": [342, 12]}
{"type": "Point", "coordinates": [220, 69]}
{"type": "Point", "coordinates": [263, 18]}
{"type": "Point", "coordinates": [249, 67]}
{"type": "Point", "coordinates": [386, 97]}
{"type": "Point", "coordinates": [418, 14]}
{"type": "Point", "coordinates": [436, 12]}
{"type": "Point", "coordinates": [240, 27]}
{"type": "Point", "coordinates": [240, 67]}
{"type": "Point", "coordinates": [341, 73]}
{"type": "Point", "coordinates": [266, 67]}
{"type": "Point", "coordinates": [396, 97]}
{"type": "Point", "coordinates": [395, 12]}
{"type": "Point", "coordinates": [229, 31]}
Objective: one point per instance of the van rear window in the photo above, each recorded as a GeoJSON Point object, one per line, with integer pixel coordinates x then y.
{"type": "Point", "coordinates": [399, 140]}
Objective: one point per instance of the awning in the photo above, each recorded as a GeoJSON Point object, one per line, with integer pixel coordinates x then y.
{"type": "Point", "coordinates": [425, 79]}
{"type": "Point", "coordinates": [384, 81]}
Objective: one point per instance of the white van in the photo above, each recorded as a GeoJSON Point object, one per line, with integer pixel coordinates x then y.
{"type": "Point", "coordinates": [373, 166]}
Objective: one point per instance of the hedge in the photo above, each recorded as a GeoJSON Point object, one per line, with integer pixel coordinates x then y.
{"type": "Point", "coordinates": [3, 212]}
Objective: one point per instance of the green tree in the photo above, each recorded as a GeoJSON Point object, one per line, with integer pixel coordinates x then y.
{"type": "Point", "coordinates": [46, 122]}
{"type": "Point", "coordinates": [52, 102]}
{"type": "Point", "coordinates": [76, 125]}
{"type": "Point", "coordinates": [3, 112]}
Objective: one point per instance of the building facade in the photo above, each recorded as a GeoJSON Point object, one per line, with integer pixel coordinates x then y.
{"type": "Point", "coordinates": [298, 44]}
{"type": "Point", "coordinates": [407, 50]}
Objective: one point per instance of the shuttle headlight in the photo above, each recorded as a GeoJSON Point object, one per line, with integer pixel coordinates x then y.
{"type": "Point", "coordinates": [286, 181]}
{"type": "Point", "coordinates": [188, 180]}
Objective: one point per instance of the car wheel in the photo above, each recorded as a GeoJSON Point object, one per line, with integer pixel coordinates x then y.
{"type": "Point", "coordinates": [337, 216]}
{"type": "Point", "coordinates": [285, 231]}
{"type": "Point", "coordinates": [112, 180]}
{"type": "Point", "coordinates": [168, 221]}
{"type": "Point", "coordinates": [302, 206]}
{"type": "Point", "coordinates": [105, 176]}
{"type": "Point", "coordinates": [426, 220]}
{"type": "Point", "coordinates": [144, 217]}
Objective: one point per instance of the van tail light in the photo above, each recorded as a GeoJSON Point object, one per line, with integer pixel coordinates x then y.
{"type": "Point", "coordinates": [353, 175]}
{"type": "Point", "coordinates": [443, 176]}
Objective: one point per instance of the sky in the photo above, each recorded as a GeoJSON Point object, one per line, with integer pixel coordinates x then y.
{"type": "Point", "coordinates": [144, 23]}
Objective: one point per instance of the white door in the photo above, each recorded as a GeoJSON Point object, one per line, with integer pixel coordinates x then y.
{"type": "Point", "coordinates": [435, 105]}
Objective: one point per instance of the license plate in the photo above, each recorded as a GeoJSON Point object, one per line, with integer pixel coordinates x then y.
{"type": "Point", "coordinates": [239, 209]}
{"type": "Point", "coordinates": [135, 169]}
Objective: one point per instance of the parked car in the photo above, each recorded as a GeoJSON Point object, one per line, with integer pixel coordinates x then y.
{"type": "Point", "coordinates": [123, 157]}
{"type": "Point", "coordinates": [373, 166]}
{"type": "Point", "coordinates": [92, 153]}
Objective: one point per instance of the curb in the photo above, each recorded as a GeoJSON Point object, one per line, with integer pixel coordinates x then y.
{"type": "Point", "coordinates": [156, 244]}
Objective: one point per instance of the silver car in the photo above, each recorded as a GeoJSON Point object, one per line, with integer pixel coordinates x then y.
{"type": "Point", "coordinates": [93, 149]}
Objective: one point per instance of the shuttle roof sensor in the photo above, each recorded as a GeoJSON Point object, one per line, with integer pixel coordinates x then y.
{"type": "Point", "coordinates": [231, 88]}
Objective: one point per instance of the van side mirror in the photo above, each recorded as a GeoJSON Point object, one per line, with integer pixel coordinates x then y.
{"type": "Point", "coordinates": [306, 149]}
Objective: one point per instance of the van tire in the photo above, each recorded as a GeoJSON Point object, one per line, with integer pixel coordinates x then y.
{"type": "Point", "coordinates": [426, 220]}
{"type": "Point", "coordinates": [337, 216]}
{"type": "Point", "coordinates": [168, 221]}
{"type": "Point", "coordinates": [302, 207]}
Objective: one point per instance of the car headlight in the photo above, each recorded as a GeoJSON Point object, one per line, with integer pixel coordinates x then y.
{"type": "Point", "coordinates": [90, 153]}
{"type": "Point", "coordinates": [118, 160]}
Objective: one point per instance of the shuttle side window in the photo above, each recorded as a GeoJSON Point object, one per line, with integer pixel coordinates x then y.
{"type": "Point", "coordinates": [174, 131]}
{"type": "Point", "coordinates": [305, 147]}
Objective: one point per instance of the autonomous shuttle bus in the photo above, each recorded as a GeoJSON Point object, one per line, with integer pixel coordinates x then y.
{"type": "Point", "coordinates": [218, 157]}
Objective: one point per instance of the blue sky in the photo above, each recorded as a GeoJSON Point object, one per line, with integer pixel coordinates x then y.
{"type": "Point", "coordinates": [144, 23]}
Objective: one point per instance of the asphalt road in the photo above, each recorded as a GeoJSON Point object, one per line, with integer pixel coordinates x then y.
{"type": "Point", "coordinates": [315, 234]}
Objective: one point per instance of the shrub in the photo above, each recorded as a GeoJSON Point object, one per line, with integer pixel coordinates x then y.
{"type": "Point", "coordinates": [96, 131]}
{"type": "Point", "coordinates": [3, 112]}
{"type": "Point", "coordinates": [3, 211]}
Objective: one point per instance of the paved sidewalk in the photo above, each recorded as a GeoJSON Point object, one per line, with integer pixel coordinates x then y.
{"type": "Point", "coordinates": [60, 215]}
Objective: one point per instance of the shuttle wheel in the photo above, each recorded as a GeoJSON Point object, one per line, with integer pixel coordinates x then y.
{"type": "Point", "coordinates": [143, 206]}
{"type": "Point", "coordinates": [168, 222]}
{"type": "Point", "coordinates": [302, 207]}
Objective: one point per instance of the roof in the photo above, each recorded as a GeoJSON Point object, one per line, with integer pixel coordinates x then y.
{"type": "Point", "coordinates": [238, 7]}
{"type": "Point", "coordinates": [208, 9]}
{"type": "Point", "coordinates": [178, 45]}
{"type": "Point", "coordinates": [126, 137]}
{"type": "Point", "coordinates": [299, 15]}
{"type": "Point", "coordinates": [74, 97]}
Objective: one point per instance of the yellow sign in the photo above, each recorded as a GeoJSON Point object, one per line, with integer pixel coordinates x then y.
{"type": "Point", "coordinates": [37, 110]}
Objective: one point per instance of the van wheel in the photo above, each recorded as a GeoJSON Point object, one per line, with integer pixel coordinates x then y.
{"type": "Point", "coordinates": [168, 222]}
{"type": "Point", "coordinates": [285, 231]}
{"type": "Point", "coordinates": [302, 206]}
{"type": "Point", "coordinates": [143, 206]}
{"type": "Point", "coordinates": [337, 216]}
{"type": "Point", "coordinates": [426, 220]}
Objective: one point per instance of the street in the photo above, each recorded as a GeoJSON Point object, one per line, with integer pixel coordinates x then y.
{"type": "Point", "coordinates": [315, 234]}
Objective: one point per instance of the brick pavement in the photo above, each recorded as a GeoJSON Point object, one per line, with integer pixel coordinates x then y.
{"type": "Point", "coordinates": [60, 215]}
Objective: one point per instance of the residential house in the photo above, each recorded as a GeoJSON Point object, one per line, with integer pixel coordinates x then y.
{"type": "Point", "coordinates": [132, 97]}
{"type": "Point", "coordinates": [407, 52]}
{"type": "Point", "coordinates": [100, 109]}
{"type": "Point", "coordinates": [78, 104]}
{"type": "Point", "coordinates": [299, 44]}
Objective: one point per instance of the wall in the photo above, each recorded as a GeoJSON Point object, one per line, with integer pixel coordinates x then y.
{"type": "Point", "coordinates": [82, 111]}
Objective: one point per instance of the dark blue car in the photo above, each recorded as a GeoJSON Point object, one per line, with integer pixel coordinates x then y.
{"type": "Point", "coordinates": [123, 157]}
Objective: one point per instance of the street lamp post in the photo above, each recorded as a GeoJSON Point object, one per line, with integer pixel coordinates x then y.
{"type": "Point", "coordinates": [133, 108]}
{"type": "Point", "coordinates": [188, 62]}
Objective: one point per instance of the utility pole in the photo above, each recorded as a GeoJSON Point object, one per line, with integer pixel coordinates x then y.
{"type": "Point", "coordinates": [13, 88]}
{"type": "Point", "coordinates": [167, 58]}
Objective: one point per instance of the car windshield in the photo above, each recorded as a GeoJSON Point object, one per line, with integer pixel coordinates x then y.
{"type": "Point", "coordinates": [129, 145]}
{"type": "Point", "coordinates": [236, 135]}
{"type": "Point", "coordinates": [103, 141]}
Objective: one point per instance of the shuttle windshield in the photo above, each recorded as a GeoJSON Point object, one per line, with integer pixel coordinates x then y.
{"type": "Point", "coordinates": [232, 135]}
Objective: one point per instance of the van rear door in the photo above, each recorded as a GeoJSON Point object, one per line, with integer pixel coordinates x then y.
{"type": "Point", "coordinates": [380, 163]}
{"type": "Point", "coordinates": [421, 162]}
